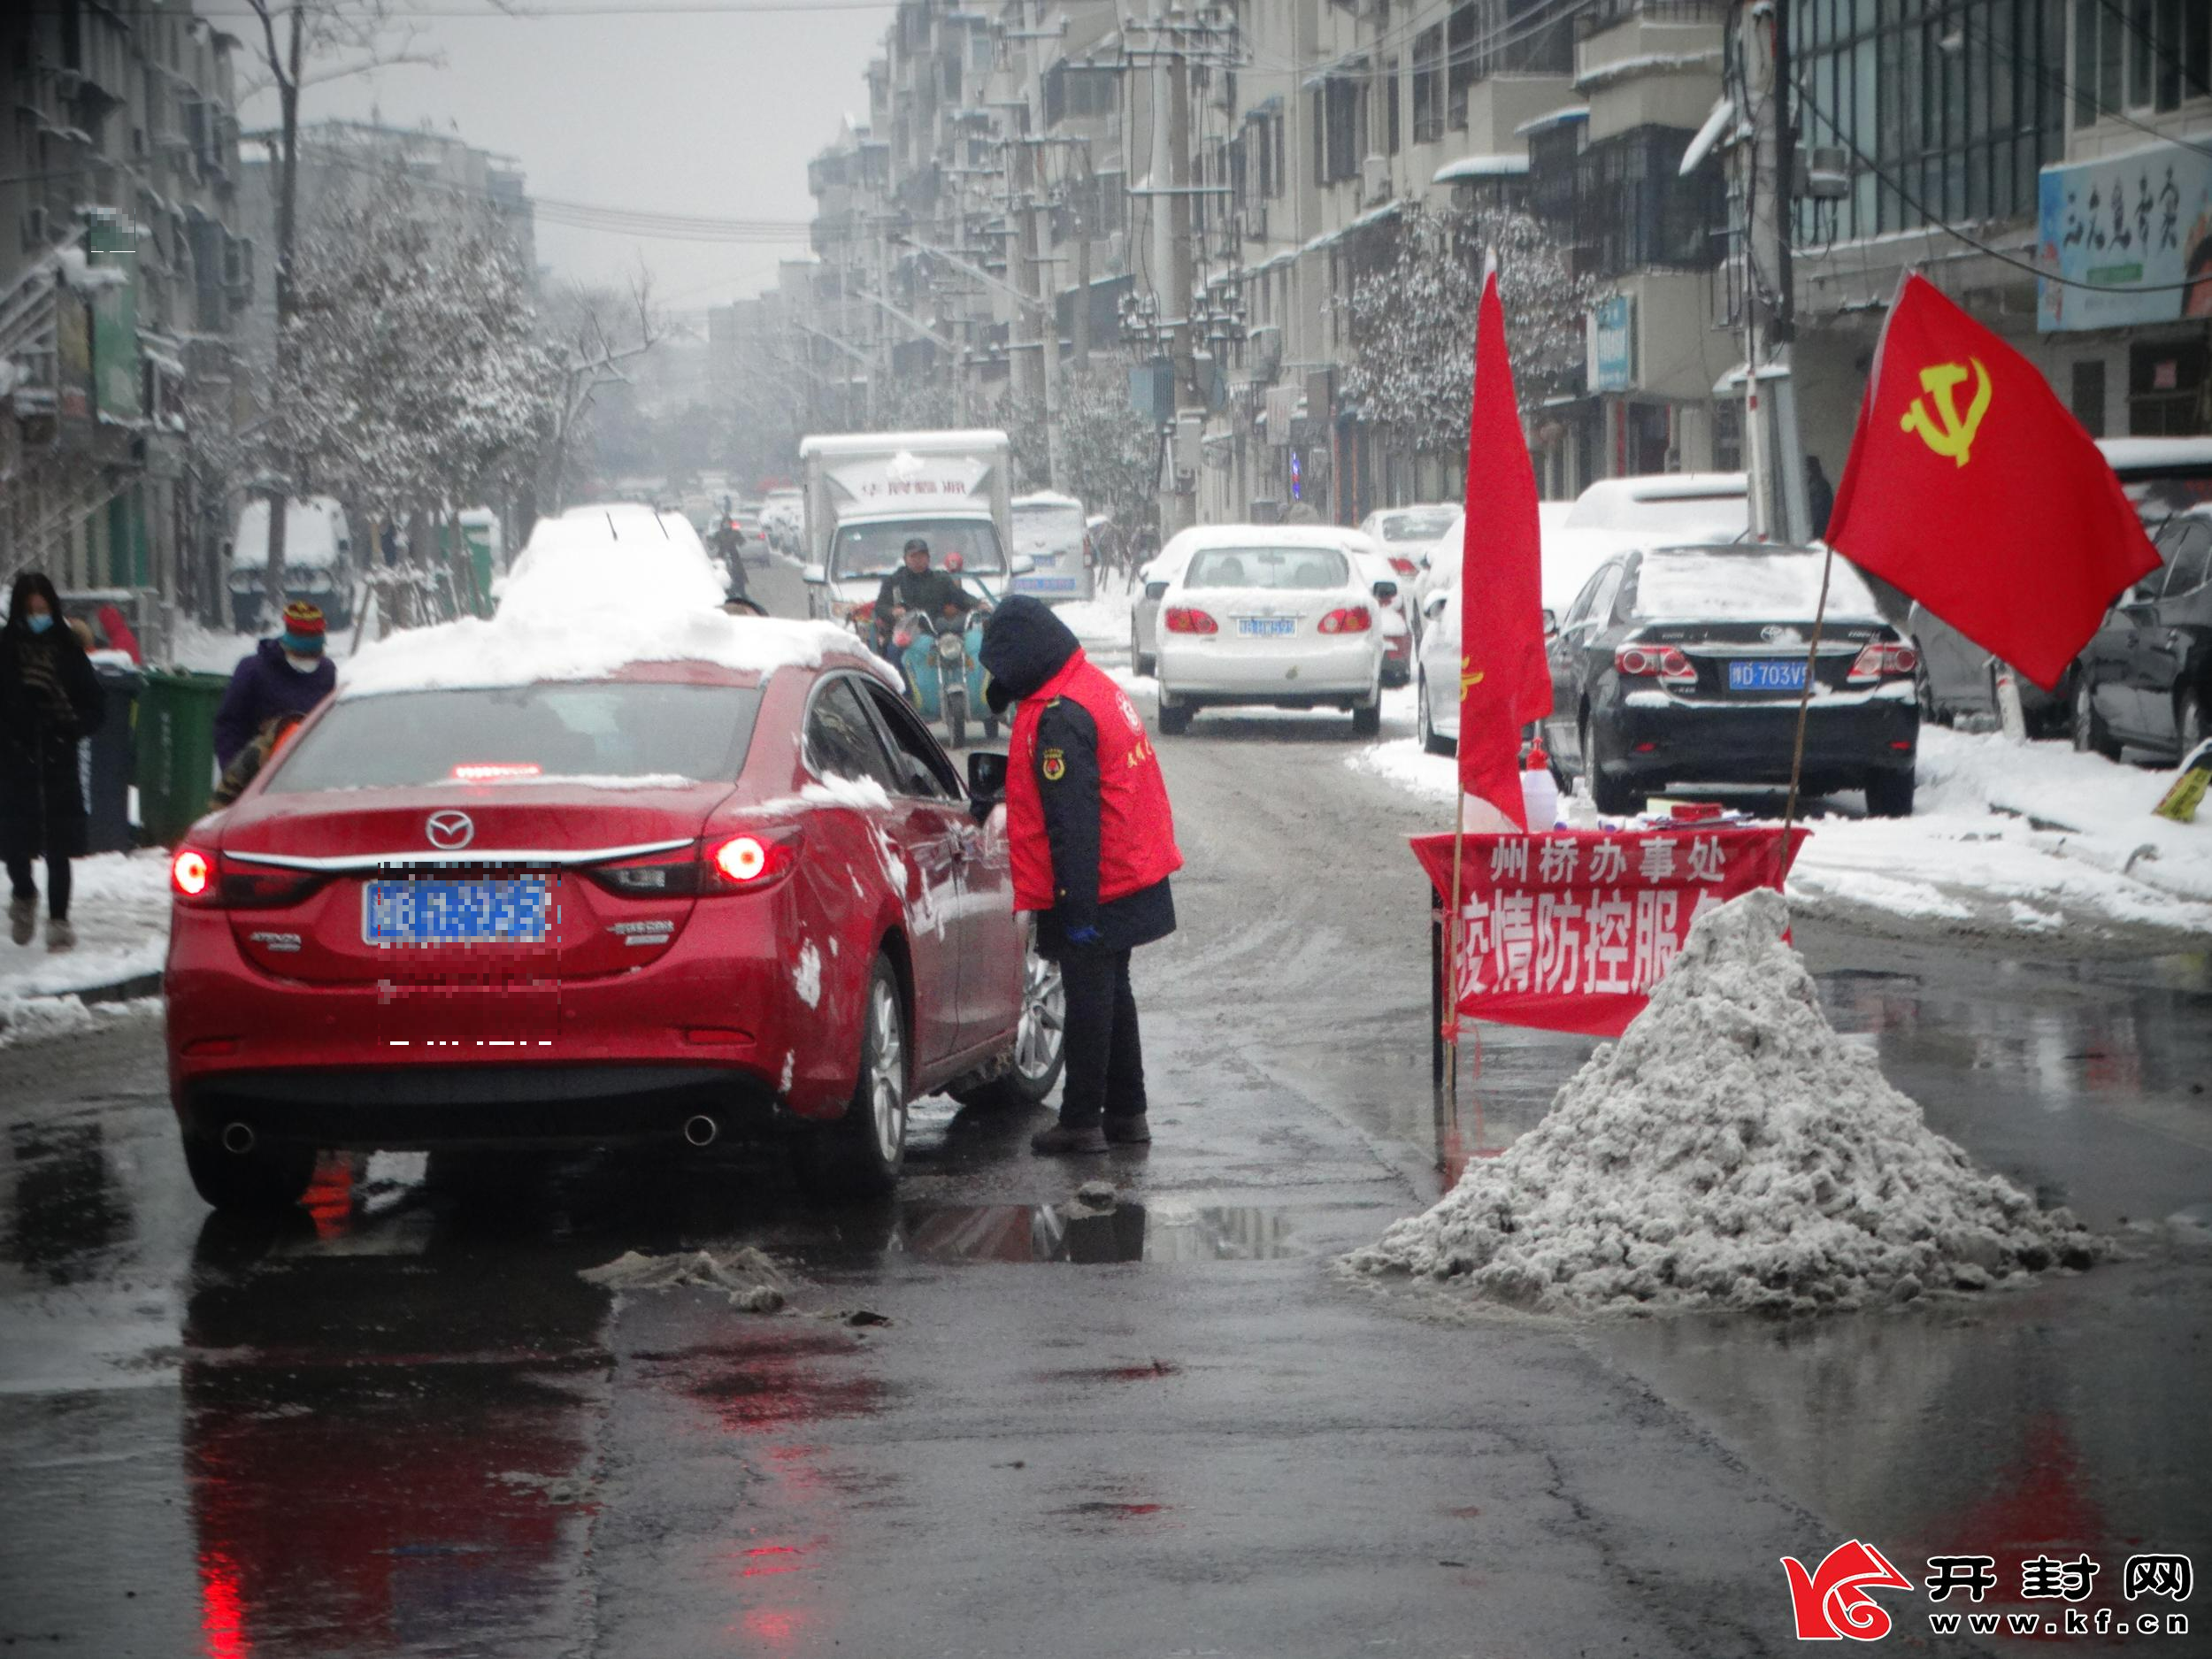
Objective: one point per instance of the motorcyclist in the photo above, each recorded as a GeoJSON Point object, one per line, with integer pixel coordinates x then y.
{"type": "Point", "coordinates": [916, 587]}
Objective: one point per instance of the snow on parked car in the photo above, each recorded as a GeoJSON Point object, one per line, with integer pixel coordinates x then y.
{"type": "Point", "coordinates": [319, 561]}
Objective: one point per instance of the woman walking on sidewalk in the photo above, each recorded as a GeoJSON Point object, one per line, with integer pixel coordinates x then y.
{"type": "Point", "coordinates": [49, 700]}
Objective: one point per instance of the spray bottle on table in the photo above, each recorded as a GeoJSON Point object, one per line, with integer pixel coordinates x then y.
{"type": "Point", "coordinates": [1539, 790]}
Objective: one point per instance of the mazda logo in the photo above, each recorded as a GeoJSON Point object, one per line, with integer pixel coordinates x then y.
{"type": "Point", "coordinates": [449, 832]}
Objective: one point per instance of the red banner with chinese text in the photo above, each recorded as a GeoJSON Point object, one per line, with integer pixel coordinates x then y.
{"type": "Point", "coordinates": [1569, 931]}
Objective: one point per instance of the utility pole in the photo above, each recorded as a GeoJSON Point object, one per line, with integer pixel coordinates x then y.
{"type": "Point", "coordinates": [1773, 458]}
{"type": "Point", "coordinates": [1181, 509]}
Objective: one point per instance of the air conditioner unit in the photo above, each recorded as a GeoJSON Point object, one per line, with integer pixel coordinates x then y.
{"type": "Point", "coordinates": [1264, 351]}
{"type": "Point", "coordinates": [67, 83]}
{"type": "Point", "coordinates": [1823, 172]}
{"type": "Point", "coordinates": [1374, 179]}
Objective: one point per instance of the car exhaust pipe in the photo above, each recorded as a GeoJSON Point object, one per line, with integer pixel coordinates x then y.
{"type": "Point", "coordinates": [702, 1131]}
{"type": "Point", "coordinates": [238, 1138]}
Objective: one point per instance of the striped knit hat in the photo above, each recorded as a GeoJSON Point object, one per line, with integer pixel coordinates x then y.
{"type": "Point", "coordinates": [303, 628]}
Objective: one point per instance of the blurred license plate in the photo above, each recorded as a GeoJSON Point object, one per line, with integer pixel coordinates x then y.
{"type": "Point", "coordinates": [502, 910]}
{"type": "Point", "coordinates": [1768, 675]}
{"type": "Point", "coordinates": [1267, 627]}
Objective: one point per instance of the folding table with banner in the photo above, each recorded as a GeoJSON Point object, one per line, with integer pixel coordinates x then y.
{"type": "Point", "coordinates": [1569, 930]}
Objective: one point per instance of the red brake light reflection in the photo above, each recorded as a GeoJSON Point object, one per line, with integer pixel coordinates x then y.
{"type": "Point", "coordinates": [190, 873]}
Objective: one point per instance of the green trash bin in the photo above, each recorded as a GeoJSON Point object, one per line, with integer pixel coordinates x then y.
{"type": "Point", "coordinates": [176, 750]}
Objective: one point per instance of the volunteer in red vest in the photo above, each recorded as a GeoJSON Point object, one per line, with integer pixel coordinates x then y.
{"type": "Point", "coordinates": [1094, 845]}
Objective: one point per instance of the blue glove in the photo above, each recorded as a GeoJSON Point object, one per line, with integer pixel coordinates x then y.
{"type": "Point", "coordinates": [1086, 937]}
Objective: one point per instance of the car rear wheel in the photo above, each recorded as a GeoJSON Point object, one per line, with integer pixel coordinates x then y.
{"type": "Point", "coordinates": [1367, 716]}
{"type": "Point", "coordinates": [1039, 1041]}
{"type": "Point", "coordinates": [1174, 717]}
{"type": "Point", "coordinates": [1613, 798]}
{"type": "Point", "coordinates": [1139, 663]}
{"type": "Point", "coordinates": [862, 1153]}
{"type": "Point", "coordinates": [257, 1182]}
{"type": "Point", "coordinates": [1889, 795]}
{"type": "Point", "coordinates": [2090, 735]}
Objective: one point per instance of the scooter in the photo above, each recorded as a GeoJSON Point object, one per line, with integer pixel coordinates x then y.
{"type": "Point", "coordinates": [944, 670]}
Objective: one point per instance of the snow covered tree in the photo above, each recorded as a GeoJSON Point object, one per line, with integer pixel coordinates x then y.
{"type": "Point", "coordinates": [1412, 320]}
{"type": "Point", "coordinates": [414, 377]}
{"type": "Point", "coordinates": [1109, 454]}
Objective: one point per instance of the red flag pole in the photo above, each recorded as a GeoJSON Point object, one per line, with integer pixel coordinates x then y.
{"type": "Point", "coordinates": [1804, 703]}
{"type": "Point", "coordinates": [1451, 953]}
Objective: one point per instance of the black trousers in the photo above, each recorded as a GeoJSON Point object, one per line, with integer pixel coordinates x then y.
{"type": "Point", "coordinates": [19, 878]}
{"type": "Point", "coordinates": [1105, 1057]}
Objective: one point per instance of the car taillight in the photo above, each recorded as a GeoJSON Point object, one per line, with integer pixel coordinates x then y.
{"type": "Point", "coordinates": [748, 862]}
{"type": "Point", "coordinates": [1405, 567]}
{"type": "Point", "coordinates": [1351, 619]}
{"type": "Point", "coordinates": [1188, 619]}
{"type": "Point", "coordinates": [1664, 662]}
{"type": "Point", "coordinates": [193, 874]}
{"type": "Point", "coordinates": [1883, 660]}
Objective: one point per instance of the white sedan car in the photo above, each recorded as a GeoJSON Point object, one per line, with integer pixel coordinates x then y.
{"type": "Point", "coordinates": [1270, 614]}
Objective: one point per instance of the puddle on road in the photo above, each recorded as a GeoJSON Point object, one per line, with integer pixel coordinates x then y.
{"type": "Point", "coordinates": [1131, 1231]}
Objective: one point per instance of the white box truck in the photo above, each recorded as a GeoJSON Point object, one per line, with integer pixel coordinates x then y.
{"type": "Point", "coordinates": [868, 493]}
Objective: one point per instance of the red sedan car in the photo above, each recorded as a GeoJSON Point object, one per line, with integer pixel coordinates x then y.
{"type": "Point", "coordinates": [655, 905]}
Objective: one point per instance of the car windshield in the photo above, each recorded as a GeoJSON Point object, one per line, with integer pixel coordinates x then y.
{"type": "Point", "coordinates": [874, 549]}
{"type": "Point", "coordinates": [1770, 586]}
{"type": "Point", "coordinates": [1299, 569]}
{"type": "Point", "coordinates": [609, 732]}
{"type": "Point", "coordinates": [1416, 526]}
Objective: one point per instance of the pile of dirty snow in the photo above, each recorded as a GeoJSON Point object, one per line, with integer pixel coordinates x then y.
{"type": "Point", "coordinates": [1731, 1150]}
{"type": "Point", "coordinates": [582, 602]}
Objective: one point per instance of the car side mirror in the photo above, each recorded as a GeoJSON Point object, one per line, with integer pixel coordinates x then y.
{"type": "Point", "coordinates": [1551, 624]}
{"type": "Point", "coordinates": [1435, 607]}
{"type": "Point", "coordinates": [815, 574]}
{"type": "Point", "coordinates": [1385, 591]}
{"type": "Point", "coordinates": [986, 781]}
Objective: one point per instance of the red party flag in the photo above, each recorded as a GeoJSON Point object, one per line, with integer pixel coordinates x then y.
{"type": "Point", "coordinates": [1504, 681]}
{"type": "Point", "coordinates": [1970, 487]}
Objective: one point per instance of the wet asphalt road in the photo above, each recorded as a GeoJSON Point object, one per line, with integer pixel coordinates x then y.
{"type": "Point", "coordinates": [402, 1423]}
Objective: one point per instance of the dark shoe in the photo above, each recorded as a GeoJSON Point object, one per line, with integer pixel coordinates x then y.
{"type": "Point", "coordinates": [1129, 1132]}
{"type": "Point", "coordinates": [1060, 1140]}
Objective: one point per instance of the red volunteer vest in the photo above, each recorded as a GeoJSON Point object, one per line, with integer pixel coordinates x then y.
{"type": "Point", "coordinates": [1136, 829]}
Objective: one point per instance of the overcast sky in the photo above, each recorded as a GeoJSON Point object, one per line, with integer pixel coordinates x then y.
{"type": "Point", "coordinates": [711, 114]}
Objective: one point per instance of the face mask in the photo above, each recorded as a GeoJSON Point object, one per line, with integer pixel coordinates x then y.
{"type": "Point", "coordinates": [40, 623]}
{"type": "Point", "coordinates": [302, 664]}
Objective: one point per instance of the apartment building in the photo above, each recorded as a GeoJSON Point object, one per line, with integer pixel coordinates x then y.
{"type": "Point", "coordinates": [123, 272]}
{"type": "Point", "coordinates": [1204, 185]}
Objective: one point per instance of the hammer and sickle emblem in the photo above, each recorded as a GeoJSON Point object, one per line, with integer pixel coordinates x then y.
{"type": "Point", "coordinates": [1469, 676]}
{"type": "Point", "coordinates": [1944, 432]}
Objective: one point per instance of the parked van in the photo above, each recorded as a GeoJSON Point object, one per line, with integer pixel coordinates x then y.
{"type": "Point", "coordinates": [319, 561]}
{"type": "Point", "coordinates": [1050, 529]}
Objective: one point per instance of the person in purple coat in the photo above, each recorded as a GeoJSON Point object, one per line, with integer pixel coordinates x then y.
{"type": "Point", "coordinates": [286, 675]}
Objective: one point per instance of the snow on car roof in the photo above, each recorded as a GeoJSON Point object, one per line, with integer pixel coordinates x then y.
{"type": "Point", "coordinates": [1774, 584]}
{"type": "Point", "coordinates": [1046, 498]}
{"type": "Point", "coordinates": [581, 604]}
{"type": "Point", "coordinates": [2127, 455]}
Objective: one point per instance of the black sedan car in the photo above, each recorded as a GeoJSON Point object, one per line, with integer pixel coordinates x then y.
{"type": "Point", "coordinates": [2146, 674]}
{"type": "Point", "coordinates": [1685, 665]}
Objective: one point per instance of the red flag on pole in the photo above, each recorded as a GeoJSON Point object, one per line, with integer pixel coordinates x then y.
{"type": "Point", "coordinates": [1504, 681]}
{"type": "Point", "coordinates": [1970, 487]}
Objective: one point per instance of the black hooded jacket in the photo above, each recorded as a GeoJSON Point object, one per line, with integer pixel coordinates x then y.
{"type": "Point", "coordinates": [50, 697]}
{"type": "Point", "coordinates": [1024, 644]}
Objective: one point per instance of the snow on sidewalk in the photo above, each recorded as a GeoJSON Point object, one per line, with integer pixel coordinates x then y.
{"type": "Point", "coordinates": [1973, 850]}
{"type": "Point", "coordinates": [1730, 1151]}
{"type": "Point", "coordinates": [120, 903]}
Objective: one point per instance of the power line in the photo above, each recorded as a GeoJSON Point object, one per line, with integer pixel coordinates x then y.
{"type": "Point", "coordinates": [1936, 222]}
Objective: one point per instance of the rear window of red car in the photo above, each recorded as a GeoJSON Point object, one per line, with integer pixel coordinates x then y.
{"type": "Point", "coordinates": [619, 733]}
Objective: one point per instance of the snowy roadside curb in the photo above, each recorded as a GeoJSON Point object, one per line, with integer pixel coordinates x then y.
{"type": "Point", "coordinates": [120, 906]}
{"type": "Point", "coordinates": [2146, 860]}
